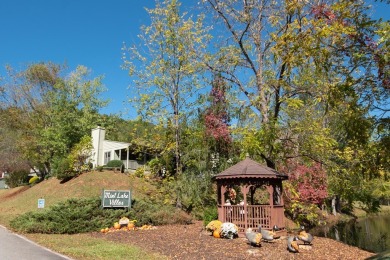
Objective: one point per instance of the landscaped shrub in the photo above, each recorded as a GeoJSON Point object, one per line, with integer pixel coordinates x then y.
{"type": "Point", "coordinates": [62, 169]}
{"type": "Point", "coordinates": [69, 217]}
{"type": "Point", "coordinates": [140, 172]}
{"type": "Point", "coordinates": [193, 191]}
{"type": "Point", "coordinates": [86, 215]}
{"type": "Point", "coordinates": [17, 178]}
{"type": "Point", "coordinates": [147, 212]}
{"type": "Point", "coordinates": [210, 213]}
{"type": "Point", "coordinates": [115, 163]}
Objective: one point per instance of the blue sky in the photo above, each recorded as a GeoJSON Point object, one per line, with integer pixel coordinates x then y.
{"type": "Point", "coordinates": [84, 32]}
{"type": "Point", "coordinates": [79, 32]}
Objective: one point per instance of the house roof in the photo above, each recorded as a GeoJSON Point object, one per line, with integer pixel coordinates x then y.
{"type": "Point", "coordinates": [114, 145]}
{"type": "Point", "coordinates": [250, 169]}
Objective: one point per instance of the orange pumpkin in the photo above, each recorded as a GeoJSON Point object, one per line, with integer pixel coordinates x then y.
{"type": "Point", "coordinates": [117, 225]}
{"type": "Point", "coordinates": [217, 233]}
{"type": "Point", "coordinates": [130, 225]}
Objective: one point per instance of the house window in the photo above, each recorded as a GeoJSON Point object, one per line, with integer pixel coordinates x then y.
{"type": "Point", "coordinates": [107, 157]}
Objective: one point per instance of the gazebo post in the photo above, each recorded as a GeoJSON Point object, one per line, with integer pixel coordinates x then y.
{"type": "Point", "coordinates": [222, 211]}
{"type": "Point", "coordinates": [270, 190]}
{"type": "Point", "coordinates": [244, 191]}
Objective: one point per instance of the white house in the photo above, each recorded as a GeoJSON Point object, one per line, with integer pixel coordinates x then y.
{"type": "Point", "coordinates": [105, 150]}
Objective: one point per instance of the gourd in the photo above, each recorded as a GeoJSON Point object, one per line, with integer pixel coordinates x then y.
{"type": "Point", "coordinates": [131, 224]}
{"type": "Point", "coordinates": [117, 225]}
{"type": "Point", "coordinates": [217, 233]}
{"type": "Point", "coordinates": [213, 225]}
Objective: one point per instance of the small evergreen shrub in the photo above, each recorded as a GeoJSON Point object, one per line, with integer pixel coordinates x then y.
{"type": "Point", "coordinates": [86, 215]}
{"type": "Point", "coordinates": [115, 163]}
{"type": "Point", "coordinates": [166, 215]}
{"type": "Point", "coordinates": [147, 212]}
{"type": "Point", "coordinates": [69, 217]}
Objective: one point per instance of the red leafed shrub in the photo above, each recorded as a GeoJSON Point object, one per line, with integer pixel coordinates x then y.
{"type": "Point", "coordinates": [310, 183]}
{"type": "Point", "coordinates": [216, 127]}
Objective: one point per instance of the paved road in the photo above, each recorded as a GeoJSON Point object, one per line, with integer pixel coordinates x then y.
{"type": "Point", "coordinates": [16, 247]}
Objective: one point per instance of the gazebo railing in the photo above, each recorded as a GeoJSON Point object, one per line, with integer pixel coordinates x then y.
{"type": "Point", "coordinates": [256, 215]}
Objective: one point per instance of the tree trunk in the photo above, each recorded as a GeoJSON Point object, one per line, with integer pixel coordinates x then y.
{"type": "Point", "coordinates": [334, 211]}
{"type": "Point", "coordinates": [177, 143]}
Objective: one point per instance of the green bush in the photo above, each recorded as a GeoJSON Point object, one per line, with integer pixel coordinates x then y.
{"type": "Point", "coordinates": [140, 172]}
{"type": "Point", "coordinates": [17, 178]}
{"type": "Point", "coordinates": [115, 163]}
{"type": "Point", "coordinates": [146, 212]}
{"type": "Point", "coordinates": [193, 191]}
{"type": "Point", "coordinates": [86, 215]}
{"type": "Point", "coordinates": [63, 169]}
{"type": "Point", "coordinates": [209, 214]}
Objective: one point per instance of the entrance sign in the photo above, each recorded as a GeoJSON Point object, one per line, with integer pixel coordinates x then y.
{"type": "Point", "coordinates": [41, 203]}
{"type": "Point", "coordinates": [116, 199]}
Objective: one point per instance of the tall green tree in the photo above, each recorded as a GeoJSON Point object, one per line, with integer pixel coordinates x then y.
{"type": "Point", "coordinates": [53, 110]}
{"type": "Point", "coordinates": [166, 67]}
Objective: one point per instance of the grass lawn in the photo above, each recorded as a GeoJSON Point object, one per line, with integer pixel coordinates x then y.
{"type": "Point", "coordinates": [85, 247]}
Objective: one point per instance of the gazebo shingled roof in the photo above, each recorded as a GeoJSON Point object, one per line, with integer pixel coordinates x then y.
{"type": "Point", "coordinates": [250, 169]}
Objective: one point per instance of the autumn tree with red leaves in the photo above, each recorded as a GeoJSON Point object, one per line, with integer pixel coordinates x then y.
{"type": "Point", "coordinates": [216, 118]}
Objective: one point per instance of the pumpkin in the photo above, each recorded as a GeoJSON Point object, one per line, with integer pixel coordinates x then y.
{"type": "Point", "coordinates": [130, 225]}
{"type": "Point", "coordinates": [213, 225]}
{"type": "Point", "coordinates": [216, 233]}
{"type": "Point", "coordinates": [117, 225]}
{"type": "Point", "coordinates": [102, 230]}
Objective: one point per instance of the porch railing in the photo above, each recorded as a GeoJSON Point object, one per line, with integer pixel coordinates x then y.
{"type": "Point", "coordinates": [134, 165]}
{"type": "Point", "coordinates": [256, 215]}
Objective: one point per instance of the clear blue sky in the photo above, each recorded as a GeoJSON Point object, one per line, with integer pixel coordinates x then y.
{"type": "Point", "coordinates": [79, 32]}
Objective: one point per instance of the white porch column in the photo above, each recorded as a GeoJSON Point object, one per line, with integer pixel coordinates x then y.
{"type": "Point", "coordinates": [127, 158]}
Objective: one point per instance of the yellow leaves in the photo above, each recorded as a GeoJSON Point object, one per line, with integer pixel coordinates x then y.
{"type": "Point", "coordinates": [294, 103]}
{"type": "Point", "coordinates": [144, 98]}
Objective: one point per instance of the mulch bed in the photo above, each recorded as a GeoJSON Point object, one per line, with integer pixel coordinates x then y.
{"type": "Point", "coordinates": [193, 242]}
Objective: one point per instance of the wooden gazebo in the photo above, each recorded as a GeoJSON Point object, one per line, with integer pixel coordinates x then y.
{"type": "Point", "coordinates": [249, 195]}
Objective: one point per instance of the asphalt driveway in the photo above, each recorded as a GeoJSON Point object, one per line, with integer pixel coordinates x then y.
{"type": "Point", "coordinates": [14, 246]}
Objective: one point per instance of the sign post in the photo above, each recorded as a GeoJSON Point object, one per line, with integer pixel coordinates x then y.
{"type": "Point", "coordinates": [116, 199]}
{"type": "Point", "coordinates": [41, 203]}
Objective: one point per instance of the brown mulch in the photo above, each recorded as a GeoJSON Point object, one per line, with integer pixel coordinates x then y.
{"type": "Point", "coordinates": [193, 242]}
